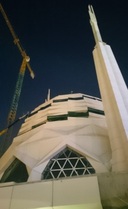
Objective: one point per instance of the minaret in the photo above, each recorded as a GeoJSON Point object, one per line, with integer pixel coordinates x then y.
{"type": "Point", "coordinates": [114, 95]}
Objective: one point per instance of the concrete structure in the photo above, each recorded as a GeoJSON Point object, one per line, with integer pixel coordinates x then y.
{"type": "Point", "coordinates": [65, 137]}
{"type": "Point", "coordinates": [71, 151]}
{"type": "Point", "coordinates": [71, 193]}
{"type": "Point", "coordinates": [64, 141]}
{"type": "Point", "coordinates": [114, 95]}
{"type": "Point", "coordinates": [75, 122]}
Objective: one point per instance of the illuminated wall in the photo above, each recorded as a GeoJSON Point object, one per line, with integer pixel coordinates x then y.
{"type": "Point", "coordinates": [72, 193]}
{"type": "Point", "coordinates": [73, 122]}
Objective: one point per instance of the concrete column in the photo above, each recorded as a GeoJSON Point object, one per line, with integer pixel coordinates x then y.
{"type": "Point", "coordinates": [114, 95]}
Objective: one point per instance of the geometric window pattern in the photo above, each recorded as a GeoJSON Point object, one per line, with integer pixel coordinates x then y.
{"type": "Point", "coordinates": [67, 164]}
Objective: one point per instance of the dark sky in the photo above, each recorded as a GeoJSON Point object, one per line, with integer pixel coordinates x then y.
{"type": "Point", "coordinates": [57, 36]}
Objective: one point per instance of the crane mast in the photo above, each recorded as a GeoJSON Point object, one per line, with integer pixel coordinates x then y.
{"type": "Point", "coordinates": [18, 88]}
{"type": "Point", "coordinates": [16, 96]}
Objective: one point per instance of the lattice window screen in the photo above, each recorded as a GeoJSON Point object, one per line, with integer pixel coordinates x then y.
{"type": "Point", "coordinates": [66, 164]}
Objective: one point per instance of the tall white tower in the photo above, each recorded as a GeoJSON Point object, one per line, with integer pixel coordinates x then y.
{"type": "Point", "coordinates": [114, 95]}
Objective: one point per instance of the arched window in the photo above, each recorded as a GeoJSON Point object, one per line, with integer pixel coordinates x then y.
{"type": "Point", "coordinates": [16, 172]}
{"type": "Point", "coordinates": [66, 164]}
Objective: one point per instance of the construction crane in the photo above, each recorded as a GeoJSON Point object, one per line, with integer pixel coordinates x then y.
{"type": "Point", "coordinates": [25, 63]}
{"type": "Point", "coordinates": [16, 39]}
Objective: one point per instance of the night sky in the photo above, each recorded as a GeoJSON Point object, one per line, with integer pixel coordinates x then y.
{"type": "Point", "coordinates": [57, 36]}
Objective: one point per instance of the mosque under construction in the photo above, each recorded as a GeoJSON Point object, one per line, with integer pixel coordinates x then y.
{"type": "Point", "coordinates": [72, 150]}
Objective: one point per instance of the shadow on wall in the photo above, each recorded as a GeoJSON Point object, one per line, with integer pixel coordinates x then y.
{"type": "Point", "coordinates": [113, 190]}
